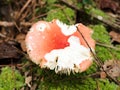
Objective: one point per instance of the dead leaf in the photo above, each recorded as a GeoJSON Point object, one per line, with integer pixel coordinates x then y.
{"type": "Point", "coordinates": [21, 39]}
{"type": "Point", "coordinates": [103, 75]}
{"type": "Point", "coordinates": [108, 4]}
{"type": "Point", "coordinates": [9, 51]}
{"type": "Point", "coordinates": [112, 67]}
{"type": "Point", "coordinates": [115, 36]}
{"type": "Point", "coordinates": [23, 88]}
{"type": "Point", "coordinates": [34, 87]}
{"type": "Point", "coordinates": [28, 79]}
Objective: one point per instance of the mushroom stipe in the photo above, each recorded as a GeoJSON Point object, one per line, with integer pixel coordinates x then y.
{"type": "Point", "coordinates": [60, 47]}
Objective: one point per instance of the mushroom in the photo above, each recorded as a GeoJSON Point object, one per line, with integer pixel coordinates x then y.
{"type": "Point", "coordinates": [60, 47]}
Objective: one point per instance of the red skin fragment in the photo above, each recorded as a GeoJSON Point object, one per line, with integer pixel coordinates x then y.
{"type": "Point", "coordinates": [86, 32]}
{"type": "Point", "coordinates": [85, 65]}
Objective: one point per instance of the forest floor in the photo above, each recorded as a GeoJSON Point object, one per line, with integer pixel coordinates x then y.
{"type": "Point", "coordinates": [17, 72]}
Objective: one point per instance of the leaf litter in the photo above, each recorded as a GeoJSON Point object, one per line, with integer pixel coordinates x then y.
{"type": "Point", "coordinates": [112, 67]}
{"type": "Point", "coordinates": [10, 51]}
{"type": "Point", "coordinates": [115, 36]}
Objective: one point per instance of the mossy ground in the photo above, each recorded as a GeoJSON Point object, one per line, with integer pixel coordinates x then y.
{"type": "Point", "coordinates": [49, 80]}
{"type": "Point", "coordinates": [10, 79]}
{"type": "Point", "coordinates": [82, 81]}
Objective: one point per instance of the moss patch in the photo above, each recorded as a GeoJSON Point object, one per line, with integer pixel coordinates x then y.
{"type": "Point", "coordinates": [10, 79]}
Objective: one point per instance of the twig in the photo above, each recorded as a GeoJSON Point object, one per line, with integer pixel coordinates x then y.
{"type": "Point", "coordinates": [17, 26]}
{"type": "Point", "coordinates": [39, 16]}
{"type": "Point", "coordinates": [2, 35]}
{"type": "Point", "coordinates": [24, 7]}
{"type": "Point", "coordinates": [108, 46]}
{"type": "Point", "coordinates": [6, 24]}
{"type": "Point", "coordinates": [98, 86]}
{"type": "Point", "coordinates": [26, 24]}
{"type": "Point", "coordinates": [10, 24]}
{"type": "Point", "coordinates": [107, 22]}
{"type": "Point", "coordinates": [18, 65]}
{"type": "Point", "coordinates": [97, 60]}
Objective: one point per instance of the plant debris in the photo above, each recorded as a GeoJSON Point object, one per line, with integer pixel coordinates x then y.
{"type": "Point", "coordinates": [112, 67]}
{"type": "Point", "coordinates": [28, 79]}
{"type": "Point", "coordinates": [108, 4]}
{"type": "Point", "coordinates": [115, 36]}
{"type": "Point", "coordinates": [16, 18]}
{"type": "Point", "coordinates": [21, 39]}
{"type": "Point", "coordinates": [9, 51]}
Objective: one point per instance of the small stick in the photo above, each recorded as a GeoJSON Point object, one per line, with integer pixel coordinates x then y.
{"type": "Point", "coordinates": [6, 24]}
{"type": "Point", "coordinates": [97, 59]}
{"type": "Point", "coordinates": [11, 24]}
{"type": "Point", "coordinates": [24, 7]}
{"type": "Point", "coordinates": [108, 46]}
{"type": "Point", "coordinates": [105, 21]}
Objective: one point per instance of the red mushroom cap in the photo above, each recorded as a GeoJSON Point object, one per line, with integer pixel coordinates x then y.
{"type": "Point", "coordinates": [59, 46]}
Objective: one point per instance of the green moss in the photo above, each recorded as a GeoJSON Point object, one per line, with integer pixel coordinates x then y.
{"type": "Point", "coordinates": [65, 15]}
{"type": "Point", "coordinates": [98, 12]}
{"type": "Point", "coordinates": [10, 79]}
{"type": "Point", "coordinates": [92, 69]}
{"type": "Point", "coordinates": [74, 82]}
{"type": "Point", "coordinates": [108, 53]}
{"type": "Point", "coordinates": [82, 81]}
{"type": "Point", "coordinates": [87, 2]}
{"type": "Point", "coordinates": [105, 84]}
{"type": "Point", "coordinates": [63, 82]}
{"type": "Point", "coordinates": [55, 11]}
{"type": "Point", "coordinates": [100, 34]}
{"type": "Point", "coordinates": [51, 1]}
{"type": "Point", "coordinates": [116, 53]}
{"type": "Point", "coordinates": [103, 53]}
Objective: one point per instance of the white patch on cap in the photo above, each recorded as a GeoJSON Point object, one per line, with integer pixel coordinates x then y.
{"type": "Point", "coordinates": [41, 27]}
{"type": "Point", "coordinates": [66, 29]}
{"type": "Point", "coordinates": [68, 59]}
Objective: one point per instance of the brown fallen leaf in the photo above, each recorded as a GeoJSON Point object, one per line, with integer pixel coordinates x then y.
{"type": "Point", "coordinates": [28, 79]}
{"type": "Point", "coordinates": [34, 86]}
{"type": "Point", "coordinates": [103, 75]}
{"type": "Point", "coordinates": [9, 51]}
{"type": "Point", "coordinates": [108, 4]}
{"type": "Point", "coordinates": [112, 67]}
{"type": "Point", "coordinates": [115, 36]}
{"type": "Point", "coordinates": [21, 39]}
